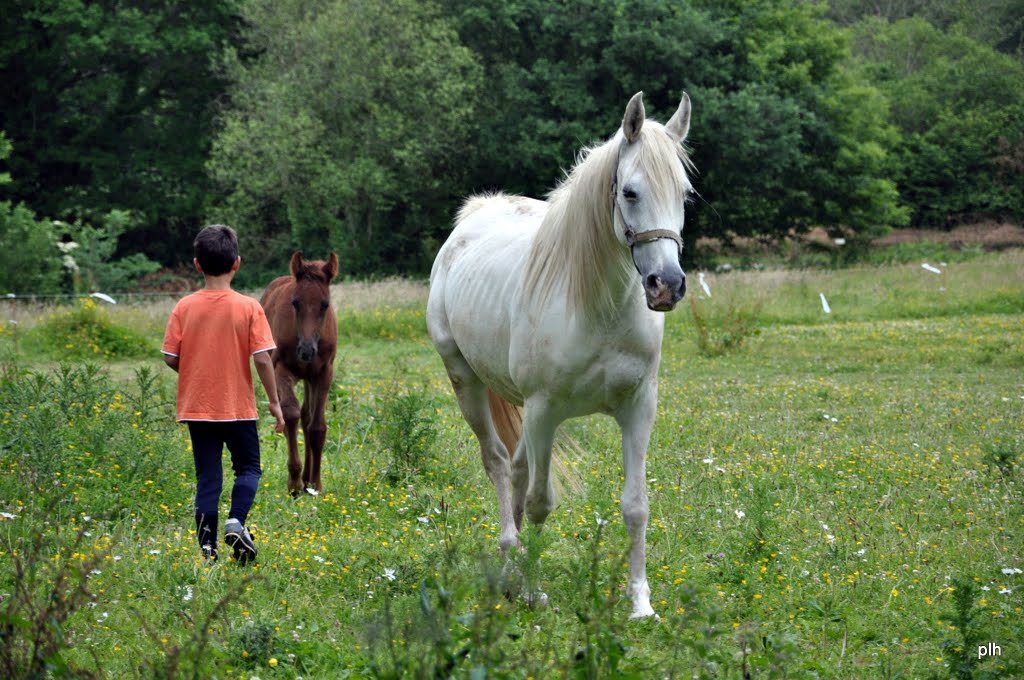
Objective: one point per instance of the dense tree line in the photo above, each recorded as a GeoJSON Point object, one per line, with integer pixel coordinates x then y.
{"type": "Point", "coordinates": [358, 126]}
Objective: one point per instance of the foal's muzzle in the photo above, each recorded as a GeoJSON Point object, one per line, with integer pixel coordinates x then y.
{"type": "Point", "coordinates": [306, 349]}
{"type": "Point", "coordinates": [664, 290]}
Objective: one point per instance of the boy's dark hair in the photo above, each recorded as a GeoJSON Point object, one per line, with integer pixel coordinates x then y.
{"type": "Point", "coordinates": [216, 248]}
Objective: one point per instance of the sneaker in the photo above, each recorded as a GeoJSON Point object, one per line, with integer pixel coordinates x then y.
{"type": "Point", "coordinates": [237, 536]}
{"type": "Point", "coordinates": [209, 552]}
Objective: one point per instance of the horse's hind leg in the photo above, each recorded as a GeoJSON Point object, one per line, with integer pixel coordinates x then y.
{"type": "Point", "coordinates": [532, 485]}
{"type": "Point", "coordinates": [473, 400]}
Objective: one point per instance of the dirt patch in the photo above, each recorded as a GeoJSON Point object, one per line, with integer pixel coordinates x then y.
{"type": "Point", "coordinates": [988, 235]}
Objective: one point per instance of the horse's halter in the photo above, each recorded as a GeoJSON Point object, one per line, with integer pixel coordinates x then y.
{"type": "Point", "coordinates": [634, 237]}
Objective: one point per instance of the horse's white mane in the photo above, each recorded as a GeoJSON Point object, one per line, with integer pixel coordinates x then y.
{"type": "Point", "coordinates": [576, 242]}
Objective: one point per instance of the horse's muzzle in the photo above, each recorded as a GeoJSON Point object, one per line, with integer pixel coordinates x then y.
{"type": "Point", "coordinates": [665, 291]}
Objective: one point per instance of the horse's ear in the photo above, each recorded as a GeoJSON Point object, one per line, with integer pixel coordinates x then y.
{"type": "Point", "coordinates": [679, 124]}
{"type": "Point", "coordinates": [634, 118]}
{"type": "Point", "coordinates": [296, 264]}
{"type": "Point", "coordinates": [331, 267]}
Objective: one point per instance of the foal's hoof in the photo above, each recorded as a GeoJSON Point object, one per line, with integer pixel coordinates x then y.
{"type": "Point", "coordinates": [311, 491]}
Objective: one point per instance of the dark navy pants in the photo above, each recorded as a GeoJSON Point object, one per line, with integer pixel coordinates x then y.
{"type": "Point", "coordinates": [208, 442]}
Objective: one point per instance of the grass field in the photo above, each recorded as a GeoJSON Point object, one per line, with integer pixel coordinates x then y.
{"type": "Point", "coordinates": [832, 495]}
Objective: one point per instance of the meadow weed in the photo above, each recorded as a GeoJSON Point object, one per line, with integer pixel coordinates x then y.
{"type": "Point", "coordinates": [1003, 456]}
{"type": "Point", "coordinates": [34, 618]}
{"type": "Point", "coordinates": [406, 430]}
{"type": "Point", "coordinates": [721, 325]}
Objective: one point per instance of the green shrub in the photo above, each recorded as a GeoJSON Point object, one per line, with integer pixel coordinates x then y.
{"type": "Point", "coordinates": [87, 332]}
{"type": "Point", "coordinates": [64, 423]}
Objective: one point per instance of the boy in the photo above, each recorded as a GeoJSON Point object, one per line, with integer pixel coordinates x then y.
{"type": "Point", "coordinates": [210, 337]}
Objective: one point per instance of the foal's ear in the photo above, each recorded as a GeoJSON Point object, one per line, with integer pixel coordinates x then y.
{"type": "Point", "coordinates": [296, 264]}
{"type": "Point", "coordinates": [679, 124]}
{"type": "Point", "coordinates": [331, 267]}
{"type": "Point", "coordinates": [634, 118]}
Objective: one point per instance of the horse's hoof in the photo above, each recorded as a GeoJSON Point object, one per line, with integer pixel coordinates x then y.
{"type": "Point", "coordinates": [642, 613]}
{"type": "Point", "coordinates": [295, 493]}
{"type": "Point", "coordinates": [537, 600]}
{"type": "Point", "coordinates": [311, 491]}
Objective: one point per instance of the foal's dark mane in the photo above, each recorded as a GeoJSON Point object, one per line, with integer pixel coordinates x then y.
{"type": "Point", "coordinates": [312, 271]}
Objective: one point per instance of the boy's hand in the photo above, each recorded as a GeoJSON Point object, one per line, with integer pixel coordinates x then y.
{"type": "Point", "coordinates": [275, 410]}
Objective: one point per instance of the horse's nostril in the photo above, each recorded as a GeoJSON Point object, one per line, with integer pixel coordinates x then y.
{"type": "Point", "coordinates": [653, 281]}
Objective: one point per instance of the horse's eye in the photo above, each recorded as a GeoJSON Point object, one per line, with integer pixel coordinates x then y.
{"type": "Point", "coordinates": [323, 307]}
{"type": "Point", "coordinates": [629, 194]}
{"type": "Point", "coordinates": [295, 304]}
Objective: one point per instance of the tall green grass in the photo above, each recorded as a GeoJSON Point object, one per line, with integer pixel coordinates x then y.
{"type": "Point", "coordinates": [837, 496]}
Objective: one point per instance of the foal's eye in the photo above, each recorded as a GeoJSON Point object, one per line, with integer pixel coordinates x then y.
{"type": "Point", "coordinates": [295, 304]}
{"type": "Point", "coordinates": [323, 307]}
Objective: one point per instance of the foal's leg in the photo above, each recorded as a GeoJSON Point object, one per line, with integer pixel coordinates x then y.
{"type": "Point", "coordinates": [316, 427]}
{"type": "Point", "coordinates": [304, 421]}
{"type": "Point", "coordinates": [472, 396]}
{"type": "Point", "coordinates": [637, 420]}
{"type": "Point", "coordinates": [290, 409]}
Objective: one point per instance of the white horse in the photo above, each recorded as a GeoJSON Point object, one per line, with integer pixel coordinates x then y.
{"type": "Point", "coordinates": [553, 306]}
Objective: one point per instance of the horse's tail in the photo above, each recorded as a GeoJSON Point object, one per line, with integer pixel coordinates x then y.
{"type": "Point", "coordinates": [508, 421]}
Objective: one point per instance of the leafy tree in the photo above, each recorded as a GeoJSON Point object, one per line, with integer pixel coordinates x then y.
{"type": "Point", "coordinates": [37, 255]}
{"type": "Point", "coordinates": [960, 107]}
{"type": "Point", "coordinates": [109, 106]}
{"type": "Point", "coordinates": [799, 140]}
{"type": "Point", "coordinates": [996, 23]}
{"type": "Point", "coordinates": [783, 137]}
{"type": "Point", "coordinates": [91, 253]}
{"type": "Point", "coordinates": [29, 260]}
{"type": "Point", "coordinates": [347, 131]}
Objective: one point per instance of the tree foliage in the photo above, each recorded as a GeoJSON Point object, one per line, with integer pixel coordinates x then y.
{"type": "Point", "coordinates": [108, 105]}
{"type": "Point", "coordinates": [960, 107]}
{"type": "Point", "coordinates": [42, 257]}
{"type": "Point", "coordinates": [29, 260]}
{"type": "Point", "coordinates": [347, 131]}
{"type": "Point", "coordinates": [996, 23]}
{"type": "Point", "coordinates": [779, 130]}
{"type": "Point", "coordinates": [359, 125]}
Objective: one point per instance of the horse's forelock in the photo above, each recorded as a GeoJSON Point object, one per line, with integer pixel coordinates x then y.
{"type": "Point", "coordinates": [664, 162]}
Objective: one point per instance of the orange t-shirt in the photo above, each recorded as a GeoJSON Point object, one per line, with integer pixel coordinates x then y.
{"type": "Point", "coordinates": [214, 333]}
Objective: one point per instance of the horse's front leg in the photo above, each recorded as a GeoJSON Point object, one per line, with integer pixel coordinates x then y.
{"type": "Point", "coordinates": [637, 421]}
{"type": "Point", "coordinates": [290, 409]}
{"type": "Point", "coordinates": [315, 427]}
